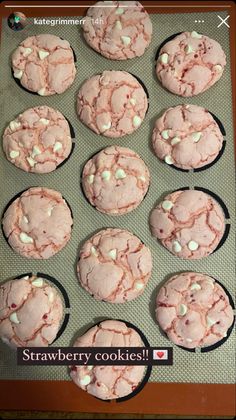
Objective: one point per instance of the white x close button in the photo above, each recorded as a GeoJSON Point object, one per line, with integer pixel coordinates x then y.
{"type": "Point", "coordinates": [223, 21]}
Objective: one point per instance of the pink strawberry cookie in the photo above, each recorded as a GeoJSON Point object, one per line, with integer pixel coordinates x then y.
{"type": "Point", "coordinates": [108, 382]}
{"type": "Point", "coordinates": [193, 310]}
{"type": "Point", "coordinates": [38, 140]}
{"type": "Point", "coordinates": [190, 63]}
{"type": "Point", "coordinates": [114, 266]}
{"type": "Point", "coordinates": [115, 180]}
{"type": "Point", "coordinates": [119, 31]}
{"type": "Point", "coordinates": [190, 224]}
{"type": "Point", "coordinates": [44, 64]}
{"type": "Point", "coordinates": [31, 312]}
{"type": "Point", "coordinates": [187, 136]}
{"type": "Point", "coordinates": [38, 223]}
{"type": "Point", "coordinates": [112, 103]}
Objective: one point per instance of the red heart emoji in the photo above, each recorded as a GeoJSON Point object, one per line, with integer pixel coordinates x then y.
{"type": "Point", "coordinates": [160, 354]}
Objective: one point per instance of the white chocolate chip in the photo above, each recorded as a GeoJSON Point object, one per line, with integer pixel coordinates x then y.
{"type": "Point", "coordinates": [106, 175]}
{"type": "Point", "coordinates": [90, 179]}
{"type": "Point", "coordinates": [164, 58]}
{"type": "Point", "coordinates": [57, 146]}
{"type": "Point", "coordinates": [193, 246]}
{"type": "Point", "coordinates": [196, 136]}
{"type": "Point", "coordinates": [119, 11]}
{"type": "Point", "coordinates": [14, 154]}
{"type": "Point", "coordinates": [169, 160]}
{"type": "Point", "coordinates": [41, 92]}
{"type": "Point", "coordinates": [18, 74]}
{"type": "Point", "coordinates": [36, 151]}
{"type": "Point", "coordinates": [189, 340]}
{"type": "Point", "coordinates": [165, 134]}
{"type": "Point", "coordinates": [139, 285]}
{"type": "Point", "coordinates": [187, 106]}
{"type": "Point", "coordinates": [38, 282]}
{"type": "Point", "coordinates": [195, 286]}
{"type": "Point", "coordinates": [126, 40]}
{"type": "Point", "coordinates": [49, 212]}
{"type": "Point", "coordinates": [14, 125]}
{"type": "Point", "coordinates": [27, 51]}
{"type": "Point", "coordinates": [189, 49]}
{"type": "Point", "coordinates": [106, 126]}
{"type": "Point", "coordinates": [26, 278]}
{"type": "Point", "coordinates": [44, 121]}
{"type": "Point", "coordinates": [120, 174]}
{"type": "Point", "coordinates": [31, 161]}
{"type": "Point", "coordinates": [90, 367]}
{"type": "Point", "coordinates": [112, 253]}
{"type": "Point", "coordinates": [26, 239]}
{"type": "Point", "coordinates": [142, 178]}
{"type": "Point", "coordinates": [43, 54]}
{"type": "Point", "coordinates": [225, 334]}
{"type": "Point", "coordinates": [85, 380]}
{"type": "Point", "coordinates": [194, 34]}
{"type": "Point", "coordinates": [118, 25]}
{"type": "Point", "coordinates": [25, 219]}
{"type": "Point", "coordinates": [218, 68]}
{"type": "Point", "coordinates": [176, 246]}
{"type": "Point", "coordinates": [182, 309]}
{"type": "Point", "coordinates": [94, 251]}
{"type": "Point", "coordinates": [137, 121]}
{"type": "Point", "coordinates": [51, 297]}
{"type": "Point", "coordinates": [175, 140]}
{"type": "Point", "coordinates": [132, 101]}
{"type": "Point", "coordinates": [167, 205]}
{"type": "Point", "coordinates": [14, 318]}
{"type": "Point", "coordinates": [210, 321]}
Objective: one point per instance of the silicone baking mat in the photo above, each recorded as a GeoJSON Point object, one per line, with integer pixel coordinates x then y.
{"type": "Point", "coordinates": [216, 366]}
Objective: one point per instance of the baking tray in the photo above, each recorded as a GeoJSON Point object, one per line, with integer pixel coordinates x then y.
{"type": "Point", "coordinates": [84, 310]}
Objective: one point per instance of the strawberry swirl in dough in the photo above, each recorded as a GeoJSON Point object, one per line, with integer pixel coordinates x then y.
{"type": "Point", "coordinates": [193, 310]}
{"type": "Point", "coordinates": [187, 136]}
{"type": "Point", "coordinates": [190, 224]}
{"type": "Point", "coordinates": [112, 103]}
{"type": "Point", "coordinates": [31, 312]}
{"type": "Point", "coordinates": [114, 266]}
{"type": "Point", "coordinates": [38, 140]}
{"type": "Point", "coordinates": [119, 32]}
{"type": "Point", "coordinates": [38, 223]}
{"type": "Point", "coordinates": [44, 64]}
{"type": "Point", "coordinates": [108, 382]}
{"type": "Point", "coordinates": [190, 63]}
{"type": "Point", "coordinates": [115, 180]}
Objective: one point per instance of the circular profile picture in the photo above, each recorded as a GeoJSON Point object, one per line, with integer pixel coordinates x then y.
{"type": "Point", "coordinates": [16, 21]}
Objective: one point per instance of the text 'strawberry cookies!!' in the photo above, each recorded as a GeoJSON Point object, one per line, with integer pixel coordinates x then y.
{"type": "Point", "coordinates": [119, 31]}
{"type": "Point", "coordinates": [190, 63]}
{"type": "Point", "coordinates": [115, 180]}
{"type": "Point", "coordinates": [193, 310]}
{"type": "Point", "coordinates": [38, 223]}
{"type": "Point", "coordinates": [38, 140]}
{"type": "Point", "coordinates": [31, 312]}
{"type": "Point", "coordinates": [112, 103]}
{"type": "Point", "coordinates": [190, 224]}
{"type": "Point", "coordinates": [44, 64]}
{"type": "Point", "coordinates": [108, 382]}
{"type": "Point", "coordinates": [187, 137]}
{"type": "Point", "coordinates": [114, 266]}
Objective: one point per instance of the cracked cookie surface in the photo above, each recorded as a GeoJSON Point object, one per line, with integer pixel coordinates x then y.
{"type": "Point", "coordinates": [31, 312]}
{"type": "Point", "coordinates": [44, 64]}
{"type": "Point", "coordinates": [187, 136]}
{"type": "Point", "coordinates": [190, 63]}
{"type": "Point", "coordinates": [108, 382]}
{"type": "Point", "coordinates": [38, 140]}
{"type": "Point", "coordinates": [193, 310]}
{"type": "Point", "coordinates": [190, 224]}
{"type": "Point", "coordinates": [114, 266]}
{"type": "Point", "coordinates": [119, 32]}
{"type": "Point", "coordinates": [112, 103]}
{"type": "Point", "coordinates": [115, 180]}
{"type": "Point", "coordinates": [38, 223]}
